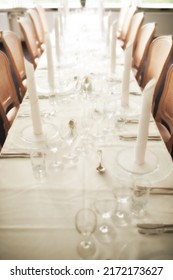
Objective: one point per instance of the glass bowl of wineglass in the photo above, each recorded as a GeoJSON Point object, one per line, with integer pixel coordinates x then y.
{"type": "Point", "coordinates": [105, 206]}
{"type": "Point", "coordinates": [85, 223]}
{"type": "Point", "coordinates": [69, 135]}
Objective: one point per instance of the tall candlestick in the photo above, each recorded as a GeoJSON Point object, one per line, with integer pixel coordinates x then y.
{"type": "Point", "coordinates": [113, 46]}
{"type": "Point", "coordinates": [57, 37]}
{"type": "Point", "coordinates": [144, 120]}
{"type": "Point", "coordinates": [33, 98]}
{"type": "Point", "coordinates": [126, 75]}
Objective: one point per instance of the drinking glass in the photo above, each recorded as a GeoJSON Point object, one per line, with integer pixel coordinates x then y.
{"type": "Point", "coordinates": [140, 196]}
{"type": "Point", "coordinates": [98, 116]}
{"type": "Point", "coordinates": [54, 146]}
{"type": "Point", "coordinates": [109, 110]}
{"type": "Point", "coordinates": [53, 103]}
{"type": "Point", "coordinates": [122, 192]}
{"type": "Point", "coordinates": [105, 206]}
{"type": "Point", "coordinates": [38, 165]}
{"type": "Point", "coordinates": [120, 118]}
{"type": "Point", "coordinates": [86, 222]}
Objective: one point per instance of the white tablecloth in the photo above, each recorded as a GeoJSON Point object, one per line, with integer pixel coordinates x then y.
{"type": "Point", "coordinates": [37, 219]}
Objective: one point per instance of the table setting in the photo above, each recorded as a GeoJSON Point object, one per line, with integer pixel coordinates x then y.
{"type": "Point", "coordinates": [85, 172]}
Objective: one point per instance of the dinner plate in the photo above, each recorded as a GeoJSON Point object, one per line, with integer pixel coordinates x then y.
{"type": "Point", "coordinates": [148, 248]}
{"type": "Point", "coordinates": [49, 131]}
{"type": "Point", "coordinates": [63, 86]}
{"type": "Point", "coordinates": [156, 171]}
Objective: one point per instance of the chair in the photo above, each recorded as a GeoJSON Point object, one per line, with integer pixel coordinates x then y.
{"type": "Point", "coordinates": [30, 38]}
{"type": "Point", "coordinates": [43, 19]}
{"type": "Point", "coordinates": [143, 41]}
{"type": "Point", "coordinates": [126, 23]}
{"type": "Point", "coordinates": [14, 50]}
{"type": "Point", "coordinates": [121, 19]}
{"type": "Point", "coordinates": [158, 58]}
{"type": "Point", "coordinates": [34, 16]}
{"type": "Point", "coordinates": [164, 115]}
{"type": "Point", "coordinates": [133, 29]}
{"type": "Point", "coordinates": [9, 103]}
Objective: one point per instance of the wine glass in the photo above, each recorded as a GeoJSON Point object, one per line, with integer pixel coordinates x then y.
{"type": "Point", "coordinates": [98, 116]}
{"type": "Point", "coordinates": [85, 222]}
{"type": "Point", "coordinates": [69, 136]}
{"type": "Point", "coordinates": [109, 110]}
{"type": "Point", "coordinates": [105, 206]}
{"type": "Point", "coordinates": [53, 103]}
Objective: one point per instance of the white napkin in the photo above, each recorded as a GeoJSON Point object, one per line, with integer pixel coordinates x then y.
{"type": "Point", "coordinates": [50, 65]}
{"type": "Point", "coordinates": [57, 37]}
{"type": "Point", "coordinates": [35, 110]}
{"type": "Point", "coordinates": [113, 46]}
{"type": "Point", "coordinates": [144, 120]}
{"type": "Point", "coordinates": [126, 75]}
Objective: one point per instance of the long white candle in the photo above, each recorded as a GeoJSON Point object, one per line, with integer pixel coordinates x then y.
{"type": "Point", "coordinates": [33, 98]}
{"type": "Point", "coordinates": [57, 37]}
{"type": "Point", "coordinates": [113, 46]}
{"type": "Point", "coordinates": [108, 30]}
{"type": "Point", "coordinates": [50, 65]}
{"type": "Point", "coordinates": [126, 75]}
{"type": "Point", "coordinates": [144, 120]}
{"type": "Point", "coordinates": [101, 17]}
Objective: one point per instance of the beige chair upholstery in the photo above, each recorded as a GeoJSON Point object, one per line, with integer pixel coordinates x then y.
{"type": "Point", "coordinates": [43, 18]}
{"type": "Point", "coordinates": [164, 116]}
{"type": "Point", "coordinates": [143, 41]}
{"type": "Point", "coordinates": [133, 30]}
{"type": "Point", "coordinates": [126, 23]}
{"type": "Point", "coordinates": [9, 103]}
{"type": "Point", "coordinates": [158, 58]}
{"type": "Point", "coordinates": [121, 19]}
{"type": "Point", "coordinates": [30, 38]}
{"type": "Point", "coordinates": [14, 50]}
{"type": "Point", "coordinates": [34, 16]}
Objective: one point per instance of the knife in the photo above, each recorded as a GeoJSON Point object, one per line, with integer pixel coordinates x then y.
{"type": "Point", "coordinates": [14, 155]}
{"type": "Point", "coordinates": [161, 191]}
{"type": "Point", "coordinates": [155, 231]}
{"type": "Point", "coordinates": [135, 93]}
{"type": "Point", "coordinates": [155, 226]}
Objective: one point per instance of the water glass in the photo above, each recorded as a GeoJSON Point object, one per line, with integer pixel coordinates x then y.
{"type": "Point", "coordinates": [38, 165]}
{"type": "Point", "coordinates": [86, 222]}
{"type": "Point", "coordinates": [140, 197]}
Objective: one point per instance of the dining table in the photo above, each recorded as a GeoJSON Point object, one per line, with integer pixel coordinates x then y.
{"type": "Point", "coordinates": [83, 126]}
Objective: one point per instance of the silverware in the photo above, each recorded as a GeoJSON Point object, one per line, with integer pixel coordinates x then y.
{"type": "Point", "coordinates": [134, 137]}
{"type": "Point", "coordinates": [161, 191]}
{"type": "Point", "coordinates": [100, 168]}
{"type": "Point", "coordinates": [135, 93]}
{"type": "Point", "coordinates": [154, 226]}
{"type": "Point", "coordinates": [14, 155]}
{"type": "Point", "coordinates": [154, 229]}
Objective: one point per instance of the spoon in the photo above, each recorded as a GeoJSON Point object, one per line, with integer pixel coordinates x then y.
{"type": "Point", "coordinates": [100, 168]}
{"type": "Point", "coordinates": [71, 124]}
